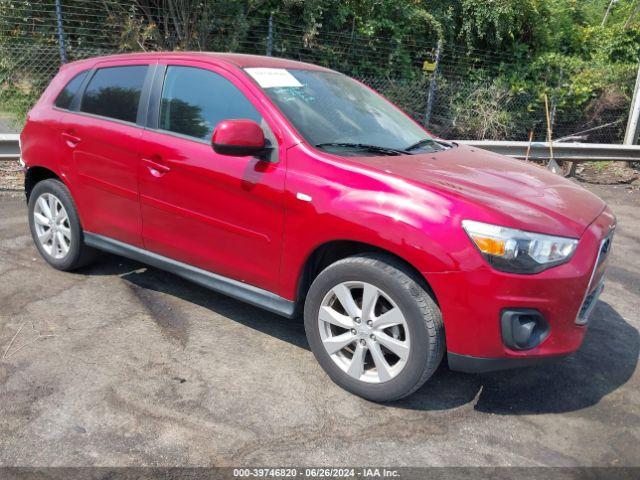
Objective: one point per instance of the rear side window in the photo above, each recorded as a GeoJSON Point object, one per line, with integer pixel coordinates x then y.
{"type": "Point", "coordinates": [194, 101]}
{"type": "Point", "coordinates": [66, 95]}
{"type": "Point", "coordinates": [114, 92]}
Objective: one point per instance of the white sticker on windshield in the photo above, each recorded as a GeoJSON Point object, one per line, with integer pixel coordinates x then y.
{"type": "Point", "coordinates": [273, 77]}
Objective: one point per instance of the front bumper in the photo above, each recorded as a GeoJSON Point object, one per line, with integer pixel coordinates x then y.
{"type": "Point", "coordinates": [472, 302]}
{"type": "Point", "coordinates": [469, 364]}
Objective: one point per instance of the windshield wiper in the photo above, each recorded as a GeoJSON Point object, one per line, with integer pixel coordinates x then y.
{"type": "Point", "coordinates": [426, 141]}
{"type": "Point", "coordinates": [365, 146]}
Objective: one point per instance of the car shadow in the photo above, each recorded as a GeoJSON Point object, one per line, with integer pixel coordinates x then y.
{"type": "Point", "coordinates": [605, 362]}
{"type": "Point", "coordinates": [145, 278]}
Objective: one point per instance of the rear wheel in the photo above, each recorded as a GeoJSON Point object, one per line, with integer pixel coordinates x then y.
{"type": "Point", "coordinates": [373, 328]}
{"type": "Point", "coordinates": [55, 226]}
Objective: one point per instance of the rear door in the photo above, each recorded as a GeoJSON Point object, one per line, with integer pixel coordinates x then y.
{"type": "Point", "coordinates": [103, 141]}
{"type": "Point", "coordinates": [220, 213]}
{"type": "Point", "coordinates": [63, 120]}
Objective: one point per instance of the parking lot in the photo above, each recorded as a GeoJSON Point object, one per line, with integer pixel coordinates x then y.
{"type": "Point", "coordinates": [119, 364]}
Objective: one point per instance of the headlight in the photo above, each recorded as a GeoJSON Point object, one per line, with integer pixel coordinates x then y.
{"type": "Point", "coordinates": [517, 251]}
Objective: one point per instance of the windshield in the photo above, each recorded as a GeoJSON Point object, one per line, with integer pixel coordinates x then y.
{"type": "Point", "coordinates": [334, 112]}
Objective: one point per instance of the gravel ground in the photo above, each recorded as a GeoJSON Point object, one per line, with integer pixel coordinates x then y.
{"type": "Point", "coordinates": [11, 177]}
{"type": "Point", "coordinates": [119, 364]}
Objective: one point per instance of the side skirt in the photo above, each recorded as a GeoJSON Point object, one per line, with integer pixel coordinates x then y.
{"type": "Point", "coordinates": [233, 288]}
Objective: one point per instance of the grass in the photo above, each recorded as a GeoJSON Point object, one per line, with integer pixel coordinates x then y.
{"type": "Point", "coordinates": [601, 166]}
{"type": "Point", "coordinates": [9, 121]}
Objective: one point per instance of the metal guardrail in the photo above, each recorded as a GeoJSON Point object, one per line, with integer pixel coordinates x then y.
{"type": "Point", "coordinates": [9, 146]}
{"type": "Point", "coordinates": [572, 152]}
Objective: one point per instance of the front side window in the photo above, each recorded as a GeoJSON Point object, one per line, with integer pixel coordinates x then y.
{"type": "Point", "coordinates": [333, 111]}
{"type": "Point", "coordinates": [194, 101]}
{"type": "Point", "coordinates": [114, 92]}
{"type": "Point", "coordinates": [66, 95]}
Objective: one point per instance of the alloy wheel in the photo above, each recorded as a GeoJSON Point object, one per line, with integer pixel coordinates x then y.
{"type": "Point", "coordinates": [364, 332]}
{"type": "Point", "coordinates": [52, 225]}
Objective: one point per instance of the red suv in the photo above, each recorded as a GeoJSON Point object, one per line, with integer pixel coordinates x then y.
{"type": "Point", "coordinates": [299, 190]}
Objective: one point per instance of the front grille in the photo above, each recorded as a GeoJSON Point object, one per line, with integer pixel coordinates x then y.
{"type": "Point", "coordinates": [591, 297]}
{"type": "Point", "coordinates": [605, 247]}
{"type": "Point", "coordinates": [588, 304]}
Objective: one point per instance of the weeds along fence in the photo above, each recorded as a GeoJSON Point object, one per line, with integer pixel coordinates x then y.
{"type": "Point", "coordinates": [455, 92]}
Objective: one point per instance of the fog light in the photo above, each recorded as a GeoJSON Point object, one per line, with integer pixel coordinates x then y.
{"type": "Point", "coordinates": [523, 328]}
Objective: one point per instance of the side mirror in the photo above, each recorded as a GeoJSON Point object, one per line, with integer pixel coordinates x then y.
{"type": "Point", "coordinates": [239, 138]}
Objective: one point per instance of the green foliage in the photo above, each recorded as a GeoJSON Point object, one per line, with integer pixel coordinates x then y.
{"type": "Point", "coordinates": [17, 102]}
{"type": "Point", "coordinates": [497, 23]}
{"type": "Point", "coordinates": [478, 111]}
{"type": "Point", "coordinates": [502, 56]}
{"type": "Point", "coordinates": [612, 45]}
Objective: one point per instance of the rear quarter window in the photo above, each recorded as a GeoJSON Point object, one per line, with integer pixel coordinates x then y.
{"type": "Point", "coordinates": [69, 91]}
{"type": "Point", "coordinates": [114, 92]}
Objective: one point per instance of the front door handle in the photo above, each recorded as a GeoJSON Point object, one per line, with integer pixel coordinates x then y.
{"type": "Point", "coordinates": [71, 139]}
{"type": "Point", "coordinates": [155, 165]}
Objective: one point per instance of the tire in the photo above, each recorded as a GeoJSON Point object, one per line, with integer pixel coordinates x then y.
{"type": "Point", "coordinates": [418, 344]}
{"type": "Point", "coordinates": [77, 254]}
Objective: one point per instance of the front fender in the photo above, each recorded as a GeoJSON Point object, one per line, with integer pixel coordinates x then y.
{"type": "Point", "coordinates": [386, 212]}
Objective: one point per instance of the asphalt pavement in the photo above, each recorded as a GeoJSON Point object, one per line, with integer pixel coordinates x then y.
{"type": "Point", "coordinates": [119, 364]}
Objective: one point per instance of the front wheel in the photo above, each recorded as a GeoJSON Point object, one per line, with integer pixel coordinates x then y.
{"type": "Point", "coordinates": [373, 328]}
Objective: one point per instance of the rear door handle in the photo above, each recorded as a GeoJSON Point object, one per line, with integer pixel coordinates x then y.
{"type": "Point", "coordinates": [71, 139]}
{"type": "Point", "coordinates": [155, 165]}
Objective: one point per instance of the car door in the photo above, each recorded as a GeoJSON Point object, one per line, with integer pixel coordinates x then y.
{"type": "Point", "coordinates": [103, 139]}
{"type": "Point", "coordinates": [220, 213]}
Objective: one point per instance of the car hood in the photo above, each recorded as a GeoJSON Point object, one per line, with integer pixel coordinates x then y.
{"type": "Point", "coordinates": [526, 196]}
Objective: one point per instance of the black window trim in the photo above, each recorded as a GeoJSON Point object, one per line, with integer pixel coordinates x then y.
{"type": "Point", "coordinates": [143, 103]}
{"type": "Point", "coordinates": [87, 73]}
{"type": "Point", "coordinates": [148, 115]}
{"type": "Point", "coordinates": [78, 95]}
{"type": "Point", "coordinates": [155, 97]}
{"type": "Point", "coordinates": [75, 102]}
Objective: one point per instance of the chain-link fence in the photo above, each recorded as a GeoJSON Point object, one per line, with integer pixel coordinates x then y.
{"type": "Point", "coordinates": [456, 92]}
